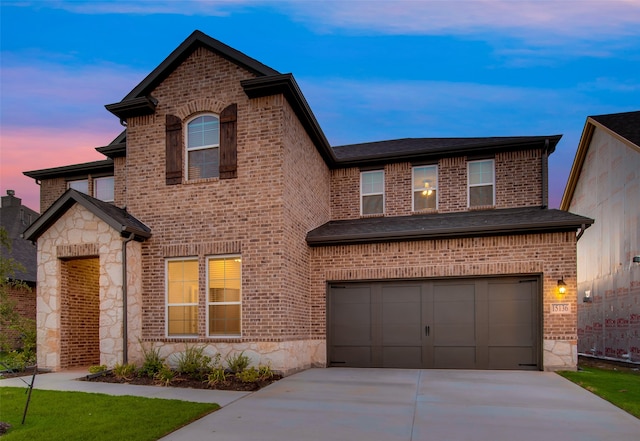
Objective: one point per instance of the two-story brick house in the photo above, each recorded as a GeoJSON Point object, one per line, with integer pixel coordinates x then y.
{"type": "Point", "coordinates": [237, 226]}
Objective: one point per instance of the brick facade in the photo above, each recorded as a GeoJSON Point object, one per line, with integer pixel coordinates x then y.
{"type": "Point", "coordinates": [25, 306]}
{"type": "Point", "coordinates": [284, 189]}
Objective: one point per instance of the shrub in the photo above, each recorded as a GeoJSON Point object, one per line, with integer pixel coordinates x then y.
{"type": "Point", "coordinates": [124, 371]}
{"type": "Point", "coordinates": [18, 360]}
{"type": "Point", "coordinates": [249, 375]}
{"type": "Point", "coordinates": [216, 376]}
{"type": "Point", "coordinates": [194, 362]}
{"type": "Point", "coordinates": [152, 363]}
{"type": "Point", "coordinates": [165, 375]}
{"type": "Point", "coordinates": [96, 369]}
{"type": "Point", "coordinates": [238, 362]}
{"type": "Point", "coordinates": [265, 372]}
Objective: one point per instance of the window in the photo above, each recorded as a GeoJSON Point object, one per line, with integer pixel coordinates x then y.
{"type": "Point", "coordinates": [425, 187]}
{"type": "Point", "coordinates": [81, 185]}
{"type": "Point", "coordinates": [203, 145]}
{"type": "Point", "coordinates": [372, 192]}
{"type": "Point", "coordinates": [182, 297]}
{"type": "Point", "coordinates": [103, 188]}
{"type": "Point", "coordinates": [481, 183]}
{"type": "Point", "coordinates": [225, 296]}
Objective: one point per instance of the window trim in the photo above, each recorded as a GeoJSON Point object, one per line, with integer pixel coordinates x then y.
{"type": "Point", "coordinates": [188, 149]}
{"type": "Point", "coordinates": [363, 194]}
{"type": "Point", "coordinates": [413, 189]}
{"type": "Point", "coordinates": [493, 183]}
{"type": "Point", "coordinates": [208, 303]}
{"type": "Point", "coordinates": [166, 297]}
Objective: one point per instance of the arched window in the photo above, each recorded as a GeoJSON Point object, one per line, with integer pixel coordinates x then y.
{"type": "Point", "coordinates": [203, 147]}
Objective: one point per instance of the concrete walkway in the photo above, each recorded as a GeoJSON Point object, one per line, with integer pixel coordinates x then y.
{"type": "Point", "coordinates": [390, 404]}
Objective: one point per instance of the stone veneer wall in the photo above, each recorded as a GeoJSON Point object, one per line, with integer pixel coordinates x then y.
{"type": "Point", "coordinates": [79, 234]}
{"type": "Point", "coordinates": [550, 255]}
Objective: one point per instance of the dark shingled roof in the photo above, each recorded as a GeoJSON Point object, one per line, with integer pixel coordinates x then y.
{"type": "Point", "coordinates": [626, 124]}
{"type": "Point", "coordinates": [117, 218]}
{"type": "Point", "coordinates": [424, 148]}
{"type": "Point", "coordinates": [14, 218]}
{"type": "Point", "coordinates": [446, 225]}
{"type": "Point", "coordinates": [67, 171]}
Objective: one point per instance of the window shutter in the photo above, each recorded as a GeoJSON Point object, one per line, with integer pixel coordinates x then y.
{"type": "Point", "coordinates": [174, 150]}
{"type": "Point", "coordinates": [228, 142]}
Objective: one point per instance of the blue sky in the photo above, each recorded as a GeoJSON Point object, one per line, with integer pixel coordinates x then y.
{"type": "Point", "coordinates": [370, 70]}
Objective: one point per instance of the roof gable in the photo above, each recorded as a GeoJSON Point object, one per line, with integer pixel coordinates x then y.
{"type": "Point", "coordinates": [117, 218]}
{"type": "Point", "coordinates": [623, 126]}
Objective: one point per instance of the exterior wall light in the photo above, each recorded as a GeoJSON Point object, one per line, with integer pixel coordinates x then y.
{"type": "Point", "coordinates": [562, 287]}
{"type": "Point", "coordinates": [636, 259]}
{"type": "Point", "coordinates": [587, 297]}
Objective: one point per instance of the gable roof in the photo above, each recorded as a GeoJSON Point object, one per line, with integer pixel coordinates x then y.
{"type": "Point", "coordinates": [407, 149]}
{"type": "Point", "coordinates": [115, 217]}
{"type": "Point", "coordinates": [446, 225]}
{"type": "Point", "coordinates": [622, 126]}
{"type": "Point", "coordinates": [14, 217]}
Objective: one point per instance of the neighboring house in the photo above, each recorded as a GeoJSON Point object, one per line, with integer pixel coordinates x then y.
{"type": "Point", "coordinates": [242, 229]}
{"type": "Point", "coordinates": [15, 218]}
{"type": "Point", "coordinates": [604, 184]}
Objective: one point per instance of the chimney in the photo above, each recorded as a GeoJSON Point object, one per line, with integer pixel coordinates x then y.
{"type": "Point", "coordinates": [10, 200]}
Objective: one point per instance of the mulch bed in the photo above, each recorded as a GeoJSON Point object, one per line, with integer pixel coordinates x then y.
{"type": "Point", "coordinates": [184, 381]}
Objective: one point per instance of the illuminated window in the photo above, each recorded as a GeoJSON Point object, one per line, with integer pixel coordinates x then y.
{"type": "Point", "coordinates": [182, 297]}
{"type": "Point", "coordinates": [224, 300]}
{"type": "Point", "coordinates": [481, 183]}
{"type": "Point", "coordinates": [425, 187]}
{"type": "Point", "coordinates": [203, 147]}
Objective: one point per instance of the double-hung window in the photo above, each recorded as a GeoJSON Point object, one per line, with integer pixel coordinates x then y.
{"type": "Point", "coordinates": [224, 301]}
{"type": "Point", "coordinates": [203, 147]}
{"type": "Point", "coordinates": [81, 185]}
{"type": "Point", "coordinates": [103, 188]}
{"type": "Point", "coordinates": [372, 192]}
{"type": "Point", "coordinates": [425, 187]}
{"type": "Point", "coordinates": [481, 179]}
{"type": "Point", "coordinates": [182, 297]}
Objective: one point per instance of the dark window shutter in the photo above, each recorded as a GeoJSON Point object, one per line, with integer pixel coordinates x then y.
{"type": "Point", "coordinates": [228, 142]}
{"type": "Point", "coordinates": [174, 150]}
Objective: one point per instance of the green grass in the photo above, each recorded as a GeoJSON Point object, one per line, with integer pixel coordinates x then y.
{"type": "Point", "coordinates": [618, 387]}
{"type": "Point", "coordinates": [54, 415]}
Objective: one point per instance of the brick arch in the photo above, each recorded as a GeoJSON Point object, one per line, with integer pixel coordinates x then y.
{"type": "Point", "coordinates": [198, 106]}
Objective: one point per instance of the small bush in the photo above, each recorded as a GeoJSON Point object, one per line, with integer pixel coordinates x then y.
{"type": "Point", "coordinates": [124, 371]}
{"type": "Point", "coordinates": [265, 372]}
{"type": "Point", "coordinates": [165, 375]}
{"type": "Point", "coordinates": [96, 369]}
{"type": "Point", "coordinates": [18, 360]}
{"type": "Point", "coordinates": [194, 362]}
{"type": "Point", "coordinates": [249, 375]}
{"type": "Point", "coordinates": [216, 376]}
{"type": "Point", "coordinates": [152, 363]}
{"type": "Point", "coordinates": [238, 362]}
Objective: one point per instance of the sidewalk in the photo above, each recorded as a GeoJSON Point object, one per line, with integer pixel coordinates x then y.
{"type": "Point", "coordinates": [69, 381]}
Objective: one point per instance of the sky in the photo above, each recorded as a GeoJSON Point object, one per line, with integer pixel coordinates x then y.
{"type": "Point", "coordinates": [370, 70]}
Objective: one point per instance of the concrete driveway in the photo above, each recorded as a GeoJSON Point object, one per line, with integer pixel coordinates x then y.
{"type": "Point", "coordinates": [398, 404]}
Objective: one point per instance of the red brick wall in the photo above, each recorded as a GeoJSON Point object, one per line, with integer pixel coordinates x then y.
{"type": "Point", "coordinates": [25, 305]}
{"type": "Point", "coordinates": [552, 255]}
{"type": "Point", "coordinates": [518, 184]}
{"type": "Point", "coordinates": [80, 313]}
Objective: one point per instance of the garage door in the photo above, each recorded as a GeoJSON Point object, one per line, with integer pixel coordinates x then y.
{"type": "Point", "coordinates": [489, 323]}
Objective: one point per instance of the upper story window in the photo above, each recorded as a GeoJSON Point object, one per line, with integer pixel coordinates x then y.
{"type": "Point", "coordinates": [372, 192]}
{"type": "Point", "coordinates": [203, 145]}
{"type": "Point", "coordinates": [103, 188]}
{"type": "Point", "coordinates": [81, 185]}
{"type": "Point", "coordinates": [425, 187]}
{"type": "Point", "coordinates": [481, 178]}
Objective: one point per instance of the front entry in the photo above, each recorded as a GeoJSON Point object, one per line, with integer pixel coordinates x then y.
{"type": "Point", "coordinates": [485, 323]}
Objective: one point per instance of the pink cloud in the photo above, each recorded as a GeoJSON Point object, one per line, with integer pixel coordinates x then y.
{"type": "Point", "coordinates": [34, 148]}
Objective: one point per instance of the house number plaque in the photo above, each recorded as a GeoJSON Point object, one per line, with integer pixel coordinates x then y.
{"type": "Point", "coordinates": [560, 308]}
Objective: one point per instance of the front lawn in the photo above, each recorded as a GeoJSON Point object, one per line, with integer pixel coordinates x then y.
{"type": "Point", "coordinates": [617, 387]}
{"type": "Point", "coordinates": [67, 416]}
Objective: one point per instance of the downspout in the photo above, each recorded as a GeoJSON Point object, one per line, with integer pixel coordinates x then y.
{"type": "Point", "coordinates": [125, 337]}
{"type": "Point", "coordinates": [545, 174]}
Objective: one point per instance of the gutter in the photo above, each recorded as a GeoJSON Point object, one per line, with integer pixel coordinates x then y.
{"type": "Point", "coordinates": [125, 336]}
